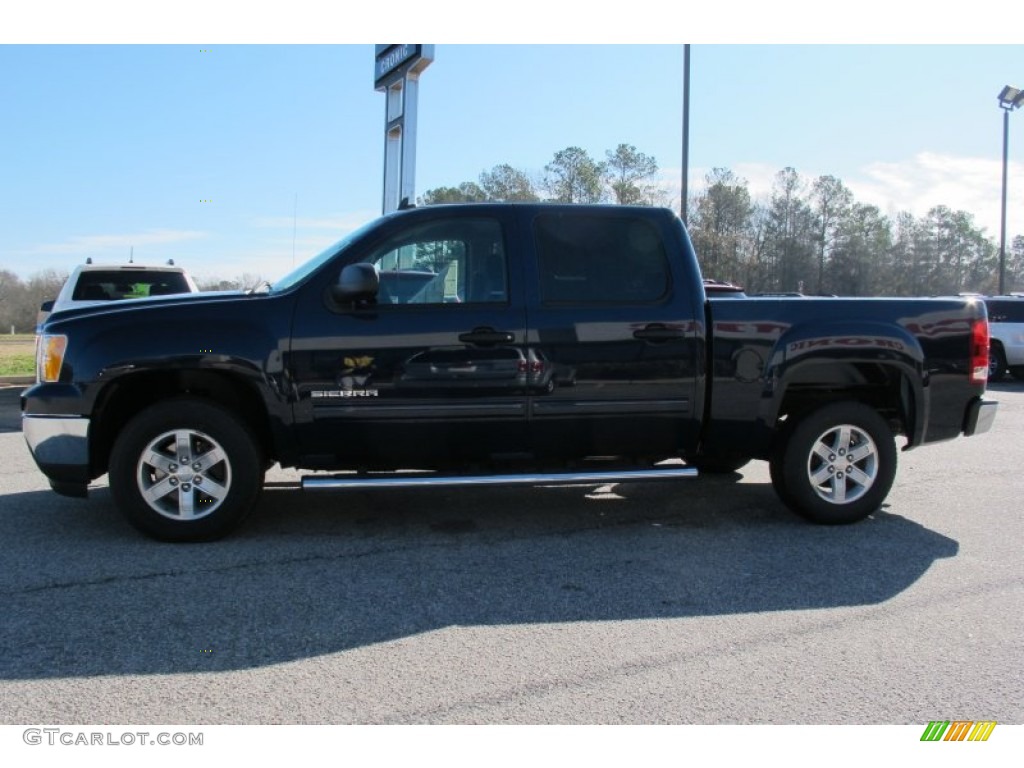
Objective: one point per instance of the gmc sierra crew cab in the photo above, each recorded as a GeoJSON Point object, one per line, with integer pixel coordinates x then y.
{"type": "Point", "coordinates": [496, 344]}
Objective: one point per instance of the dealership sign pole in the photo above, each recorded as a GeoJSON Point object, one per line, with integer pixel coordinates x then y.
{"type": "Point", "coordinates": [396, 71]}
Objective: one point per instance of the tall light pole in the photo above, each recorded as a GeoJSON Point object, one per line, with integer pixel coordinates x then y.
{"type": "Point", "coordinates": [686, 134]}
{"type": "Point", "coordinates": [1009, 99]}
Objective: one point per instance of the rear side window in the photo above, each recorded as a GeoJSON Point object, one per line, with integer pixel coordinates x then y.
{"type": "Point", "coordinates": [1005, 310]}
{"type": "Point", "coordinates": [590, 259]}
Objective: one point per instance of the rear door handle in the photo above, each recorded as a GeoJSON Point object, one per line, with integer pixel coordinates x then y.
{"type": "Point", "coordinates": [486, 336]}
{"type": "Point", "coordinates": [658, 332]}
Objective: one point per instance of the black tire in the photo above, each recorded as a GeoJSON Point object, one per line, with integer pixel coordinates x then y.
{"type": "Point", "coordinates": [1018, 372]}
{"type": "Point", "coordinates": [813, 474]}
{"type": "Point", "coordinates": [718, 465]}
{"type": "Point", "coordinates": [201, 501]}
{"type": "Point", "coordinates": [996, 363]}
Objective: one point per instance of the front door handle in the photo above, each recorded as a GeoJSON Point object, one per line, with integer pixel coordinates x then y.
{"type": "Point", "coordinates": [658, 332]}
{"type": "Point", "coordinates": [486, 337]}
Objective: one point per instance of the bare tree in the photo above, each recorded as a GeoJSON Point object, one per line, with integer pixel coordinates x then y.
{"type": "Point", "coordinates": [466, 192]}
{"type": "Point", "coordinates": [20, 299]}
{"type": "Point", "coordinates": [625, 167]}
{"type": "Point", "coordinates": [789, 245]}
{"type": "Point", "coordinates": [720, 225]}
{"type": "Point", "coordinates": [831, 202]}
{"type": "Point", "coordinates": [505, 183]}
{"type": "Point", "coordinates": [243, 282]}
{"type": "Point", "coordinates": [574, 177]}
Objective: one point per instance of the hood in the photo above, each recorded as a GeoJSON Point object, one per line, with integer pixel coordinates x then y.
{"type": "Point", "coordinates": [132, 306]}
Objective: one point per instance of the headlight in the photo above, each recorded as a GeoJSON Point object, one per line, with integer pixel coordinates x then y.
{"type": "Point", "coordinates": [50, 350]}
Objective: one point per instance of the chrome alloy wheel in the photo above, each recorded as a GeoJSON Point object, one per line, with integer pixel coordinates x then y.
{"type": "Point", "coordinates": [183, 474]}
{"type": "Point", "coordinates": [843, 464]}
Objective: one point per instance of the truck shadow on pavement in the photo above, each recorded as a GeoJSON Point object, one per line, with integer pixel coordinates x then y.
{"type": "Point", "coordinates": [10, 408]}
{"type": "Point", "coordinates": [82, 594]}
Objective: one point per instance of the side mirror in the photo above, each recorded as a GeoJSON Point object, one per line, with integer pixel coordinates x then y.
{"type": "Point", "coordinates": [356, 282]}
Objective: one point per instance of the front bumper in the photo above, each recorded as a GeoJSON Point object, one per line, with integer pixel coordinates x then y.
{"type": "Point", "coordinates": [979, 416]}
{"type": "Point", "coordinates": [60, 447]}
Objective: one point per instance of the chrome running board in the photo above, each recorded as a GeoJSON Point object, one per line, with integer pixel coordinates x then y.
{"type": "Point", "coordinates": [429, 479]}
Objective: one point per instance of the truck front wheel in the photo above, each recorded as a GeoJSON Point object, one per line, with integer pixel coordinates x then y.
{"type": "Point", "coordinates": [185, 470]}
{"type": "Point", "coordinates": [836, 465]}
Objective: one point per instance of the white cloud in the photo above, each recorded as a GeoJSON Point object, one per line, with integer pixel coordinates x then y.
{"type": "Point", "coordinates": [339, 223]}
{"type": "Point", "coordinates": [928, 179]}
{"type": "Point", "coordinates": [759, 178]}
{"type": "Point", "coordinates": [98, 244]}
{"type": "Point", "coordinates": [270, 261]}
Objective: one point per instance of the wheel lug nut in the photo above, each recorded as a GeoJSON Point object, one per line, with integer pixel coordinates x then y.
{"type": "Point", "coordinates": [173, 468]}
{"type": "Point", "coordinates": [196, 467]}
{"type": "Point", "coordinates": [174, 481]}
{"type": "Point", "coordinates": [840, 476]}
{"type": "Point", "coordinates": [831, 457]}
{"type": "Point", "coordinates": [186, 487]}
{"type": "Point", "coordinates": [197, 479]}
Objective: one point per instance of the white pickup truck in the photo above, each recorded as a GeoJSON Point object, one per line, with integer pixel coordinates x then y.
{"type": "Point", "coordinates": [1006, 334]}
{"type": "Point", "coordinates": [91, 284]}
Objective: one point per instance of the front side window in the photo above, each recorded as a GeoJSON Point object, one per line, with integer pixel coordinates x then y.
{"type": "Point", "coordinates": [452, 261]}
{"type": "Point", "coordinates": [590, 259]}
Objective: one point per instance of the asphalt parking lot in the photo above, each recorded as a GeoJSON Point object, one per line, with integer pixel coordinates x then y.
{"type": "Point", "coordinates": [701, 602]}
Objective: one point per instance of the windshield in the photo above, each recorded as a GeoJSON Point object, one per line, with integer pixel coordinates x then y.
{"type": "Point", "coordinates": [303, 271]}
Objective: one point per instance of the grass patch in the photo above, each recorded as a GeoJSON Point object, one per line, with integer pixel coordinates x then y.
{"type": "Point", "coordinates": [17, 364]}
{"type": "Point", "coordinates": [18, 355]}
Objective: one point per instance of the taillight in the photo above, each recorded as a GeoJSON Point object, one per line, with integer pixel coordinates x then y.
{"type": "Point", "coordinates": [979, 352]}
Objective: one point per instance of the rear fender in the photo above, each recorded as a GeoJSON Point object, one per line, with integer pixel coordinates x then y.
{"type": "Point", "coordinates": [832, 357]}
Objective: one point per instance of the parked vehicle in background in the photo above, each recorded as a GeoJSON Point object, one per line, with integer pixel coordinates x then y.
{"type": "Point", "coordinates": [1006, 333]}
{"type": "Point", "coordinates": [719, 289]}
{"type": "Point", "coordinates": [91, 284]}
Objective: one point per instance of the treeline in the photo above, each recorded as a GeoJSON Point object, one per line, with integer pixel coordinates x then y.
{"type": "Point", "coordinates": [809, 236]}
{"type": "Point", "coordinates": [572, 176]}
{"type": "Point", "coordinates": [813, 236]}
{"type": "Point", "coordinates": [20, 299]}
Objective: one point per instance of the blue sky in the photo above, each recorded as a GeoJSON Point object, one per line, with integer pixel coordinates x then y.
{"type": "Point", "coordinates": [237, 158]}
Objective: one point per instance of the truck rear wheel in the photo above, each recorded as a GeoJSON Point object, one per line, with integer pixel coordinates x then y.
{"type": "Point", "coordinates": [836, 465]}
{"type": "Point", "coordinates": [185, 470]}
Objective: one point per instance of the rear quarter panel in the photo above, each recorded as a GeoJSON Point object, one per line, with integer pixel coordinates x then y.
{"type": "Point", "coordinates": [763, 348]}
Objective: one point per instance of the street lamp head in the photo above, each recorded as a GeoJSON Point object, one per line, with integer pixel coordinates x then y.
{"type": "Point", "coordinates": [1010, 98]}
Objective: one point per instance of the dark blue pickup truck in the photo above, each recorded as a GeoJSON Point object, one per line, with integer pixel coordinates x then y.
{"type": "Point", "coordinates": [496, 344]}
